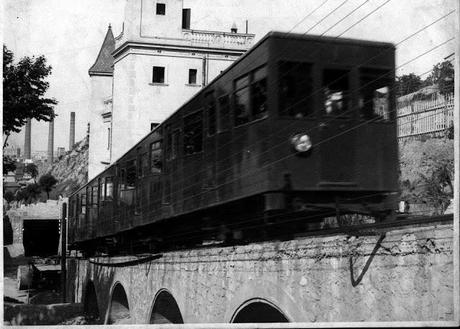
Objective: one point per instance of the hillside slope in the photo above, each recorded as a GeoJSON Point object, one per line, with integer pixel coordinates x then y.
{"type": "Point", "coordinates": [71, 170]}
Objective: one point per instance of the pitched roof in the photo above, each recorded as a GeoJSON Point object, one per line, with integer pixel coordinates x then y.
{"type": "Point", "coordinates": [104, 62]}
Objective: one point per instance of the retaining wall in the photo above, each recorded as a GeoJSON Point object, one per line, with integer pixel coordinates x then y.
{"type": "Point", "coordinates": [403, 275]}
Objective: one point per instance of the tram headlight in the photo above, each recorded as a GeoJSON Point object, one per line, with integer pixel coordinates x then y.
{"type": "Point", "coordinates": [301, 142]}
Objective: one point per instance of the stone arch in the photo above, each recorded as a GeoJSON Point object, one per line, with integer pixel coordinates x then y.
{"type": "Point", "coordinates": [90, 303]}
{"type": "Point", "coordinates": [118, 312]}
{"type": "Point", "coordinates": [165, 309]}
{"type": "Point", "coordinates": [273, 293]}
{"type": "Point", "coordinates": [258, 310]}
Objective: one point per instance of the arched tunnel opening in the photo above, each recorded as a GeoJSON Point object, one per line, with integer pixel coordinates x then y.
{"type": "Point", "coordinates": [119, 307]}
{"type": "Point", "coordinates": [165, 310]}
{"type": "Point", "coordinates": [259, 312]}
{"type": "Point", "coordinates": [90, 305]}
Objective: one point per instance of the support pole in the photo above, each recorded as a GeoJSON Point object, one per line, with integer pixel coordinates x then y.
{"type": "Point", "coordinates": [63, 252]}
{"type": "Point", "coordinates": [457, 167]}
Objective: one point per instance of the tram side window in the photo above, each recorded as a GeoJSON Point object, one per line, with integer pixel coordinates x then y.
{"type": "Point", "coordinates": [336, 92]}
{"type": "Point", "coordinates": [131, 174]}
{"type": "Point", "coordinates": [175, 143]}
{"type": "Point", "coordinates": [155, 157]}
{"type": "Point", "coordinates": [83, 203]}
{"type": "Point", "coordinates": [77, 205]}
{"type": "Point", "coordinates": [101, 189]}
{"type": "Point", "coordinates": [89, 196]}
{"type": "Point", "coordinates": [168, 149]}
{"type": "Point", "coordinates": [109, 188]}
{"type": "Point", "coordinates": [211, 109]}
{"type": "Point", "coordinates": [374, 100]}
{"type": "Point", "coordinates": [241, 99]}
{"type": "Point", "coordinates": [121, 184]}
{"type": "Point", "coordinates": [296, 97]}
{"type": "Point", "coordinates": [224, 113]}
{"type": "Point", "coordinates": [94, 192]}
{"type": "Point", "coordinates": [259, 93]}
{"type": "Point", "coordinates": [193, 133]}
{"type": "Point", "coordinates": [127, 191]}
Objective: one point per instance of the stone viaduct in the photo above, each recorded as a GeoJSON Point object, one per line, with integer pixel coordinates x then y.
{"type": "Point", "coordinates": [403, 274]}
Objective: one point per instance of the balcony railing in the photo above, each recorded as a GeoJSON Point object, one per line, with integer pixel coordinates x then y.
{"type": "Point", "coordinates": [218, 39]}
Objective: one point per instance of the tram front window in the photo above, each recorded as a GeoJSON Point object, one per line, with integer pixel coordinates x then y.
{"type": "Point", "coordinates": [374, 101]}
{"type": "Point", "coordinates": [335, 92]}
{"type": "Point", "coordinates": [295, 90]}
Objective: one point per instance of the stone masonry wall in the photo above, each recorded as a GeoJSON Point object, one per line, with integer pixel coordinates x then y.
{"type": "Point", "coordinates": [403, 275]}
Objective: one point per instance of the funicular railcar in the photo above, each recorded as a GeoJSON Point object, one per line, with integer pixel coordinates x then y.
{"type": "Point", "coordinates": [298, 125]}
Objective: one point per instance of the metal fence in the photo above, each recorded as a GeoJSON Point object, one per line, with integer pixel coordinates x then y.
{"type": "Point", "coordinates": [425, 117]}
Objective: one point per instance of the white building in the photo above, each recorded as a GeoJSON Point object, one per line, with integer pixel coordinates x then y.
{"type": "Point", "coordinates": [144, 74]}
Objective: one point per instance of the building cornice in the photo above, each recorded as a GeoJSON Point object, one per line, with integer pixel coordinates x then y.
{"type": "Point", "coordinates": [181, 48]}
{"type": "Point", "coordinates": [96, 73]}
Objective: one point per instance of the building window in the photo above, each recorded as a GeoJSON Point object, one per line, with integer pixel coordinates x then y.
{"type": "Point", "coordinates": [158, 74]}
{"type": "Point", "coordinates": [186, 18]}
{"type": "Point", "coordinates": [192, 76]}
{"type": "Point", "coordinates": [161, 9]}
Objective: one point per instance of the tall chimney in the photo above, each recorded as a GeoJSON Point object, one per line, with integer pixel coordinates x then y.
{"type": "Point", "coordinates": [27, 141]}
{"type": "Point", "coordinates": [51, 142]}
{"type": "Point", "coordinates": [72, 130]}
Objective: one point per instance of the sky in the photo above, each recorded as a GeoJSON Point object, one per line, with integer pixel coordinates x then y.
{"type": "Point", "coordinates": [69, 33]}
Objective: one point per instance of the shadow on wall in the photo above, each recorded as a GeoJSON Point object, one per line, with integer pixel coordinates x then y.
{"type": "Point", "coordinates": [356, 281]}
{"type": "Point", "coordinates": [90, 305]}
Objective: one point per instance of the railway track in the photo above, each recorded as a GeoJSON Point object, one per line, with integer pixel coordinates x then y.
{"type": "Point", "coordinates": [380, 227]}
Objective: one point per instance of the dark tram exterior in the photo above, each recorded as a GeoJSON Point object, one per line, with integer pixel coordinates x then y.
{"type": "Point", "coordinates": [299, 123]}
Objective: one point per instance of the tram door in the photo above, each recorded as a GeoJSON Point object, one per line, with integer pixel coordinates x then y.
{"type": "Point", "coordinates": [337, 133]}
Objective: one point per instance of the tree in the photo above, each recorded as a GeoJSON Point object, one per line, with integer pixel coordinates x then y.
{"type": "Point", "coordinates": [9, 164]}
{"type": "Point", "coordinates": [24, 87]}
{"type": "Point", "coordinates": [47, 183]}
{"type": "Point", "coordinates": [407, 83]}
{"type": "Point", "coordinates": [443, 76]}
{"type": "Point", "coordinates": [427, 173]}
{"type": "Point", "coordinates": [9, 196]}
{"type": "Point", "coordinates": [438, 188]}
{"type": "Point", "coordinates": [29, 193]}
{"type": "Point", "coordinates": [31, 169]}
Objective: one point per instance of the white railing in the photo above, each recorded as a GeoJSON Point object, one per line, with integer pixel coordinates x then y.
{"type": "Point", "coordinates": [219, 39]}
{"type": "Point", "coordinates": [425, 117]}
